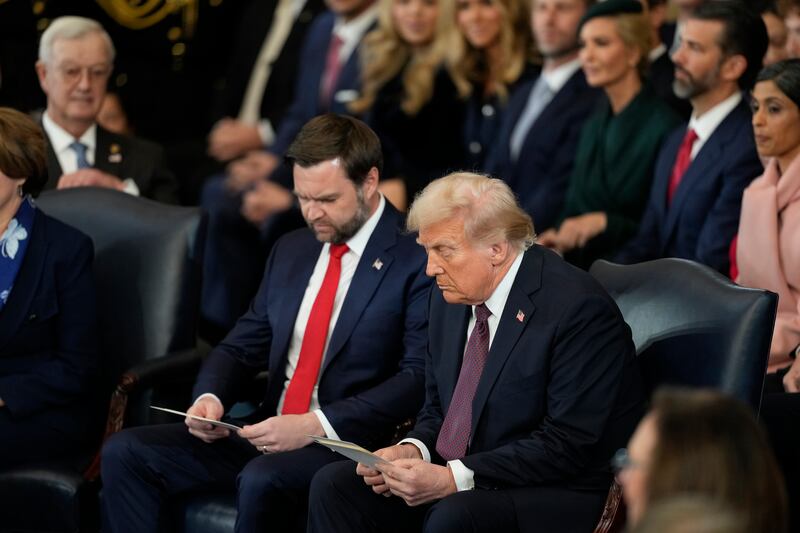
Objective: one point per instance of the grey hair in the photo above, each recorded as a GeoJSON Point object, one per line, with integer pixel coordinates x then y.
{"type": "Point", "coordinates": [488, 206]}
{"type": "Point", "coordinates": [71, 28]}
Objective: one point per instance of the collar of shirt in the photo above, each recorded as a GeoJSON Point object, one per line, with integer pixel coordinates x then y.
{"type": "Point", "coordinates": [358, 242]}
{"type": "Point", "coordinates": [705, 125]}
{"type": "Point", "coordinates": [559, 76]}
{"type": "Point", "coordinates": [351, 31]}
{"type": "Point", "coordinates": [60, 140]}
{"type": "Point", "coordinates": [657, 52]}
{"type": "Point", "coordinates": [497, 301]}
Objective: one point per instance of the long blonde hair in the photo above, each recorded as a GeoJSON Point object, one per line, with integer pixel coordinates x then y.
{"type": "Point", "coordinates": [470, 65]}
{"type": "Point", "coordinates": [384, 55]}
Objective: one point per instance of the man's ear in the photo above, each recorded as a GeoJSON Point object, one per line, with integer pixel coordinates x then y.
{"type": "Point", "coordinates": [370, 184]}
{"type": "Point", "coordinates": [41, 73]}
{"type": "Point", "coordinates": [499, 252]}
{"type": "Point", "coordinates": [733, 67]}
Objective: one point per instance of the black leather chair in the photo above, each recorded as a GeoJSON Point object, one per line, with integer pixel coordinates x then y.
{"type": "Point", "coordinates": [691, 327]}
{"type": "Point", "coordinates": [147, 271]}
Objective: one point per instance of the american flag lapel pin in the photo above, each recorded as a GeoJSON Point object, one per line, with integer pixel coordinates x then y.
{"type": "Point", "coordinates": [520, 316]}
{"type": "Point", "coordinates": [378, 264]}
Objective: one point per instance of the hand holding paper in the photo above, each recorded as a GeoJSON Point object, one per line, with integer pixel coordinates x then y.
{"type": "Point", "coordinates": [373, 477]}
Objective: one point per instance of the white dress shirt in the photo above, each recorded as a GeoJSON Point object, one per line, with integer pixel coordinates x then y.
{"type": "Point", "coordinates": [705, 125]}
{"type": "Point", "coordinates": [463, 476]}
{"type": "Point", "coordinates": [60, 140]}
{"type": "Point", "coordinates": [356, 244]}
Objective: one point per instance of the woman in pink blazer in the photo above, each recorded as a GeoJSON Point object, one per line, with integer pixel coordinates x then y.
{"type": "Point", "coordinates": [767, 250]}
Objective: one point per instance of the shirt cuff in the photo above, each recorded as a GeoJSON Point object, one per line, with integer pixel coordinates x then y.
{"type": "Point", "coordinates": [326, 425]}
{"type": "Point", "coordinates": [426, 455]}
{"type": "Point", "coordinates": [129, 186]}
{"type": "Point", "coordinates": [209, 395]}
{"type": "Point", "coordinates": [463, 476]}
{"type": "Point", "coordinates": [266, 132]}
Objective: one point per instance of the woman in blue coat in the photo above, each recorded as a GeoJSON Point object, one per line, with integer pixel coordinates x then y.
{"type": "Point", "coordinates": [48, 342]}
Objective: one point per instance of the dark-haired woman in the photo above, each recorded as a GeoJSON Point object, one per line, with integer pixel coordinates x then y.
{"type": "Point", "coordinates": [48, 345]}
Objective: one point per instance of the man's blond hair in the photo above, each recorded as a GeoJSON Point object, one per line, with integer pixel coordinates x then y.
{"type": "Point", "coordinates": [487, 206]}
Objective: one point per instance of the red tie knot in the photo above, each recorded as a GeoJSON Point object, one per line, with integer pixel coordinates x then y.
{"type": "Point", "coordinates": [691, 137]}
{"type": "Point", "coordinates": [338, 250]}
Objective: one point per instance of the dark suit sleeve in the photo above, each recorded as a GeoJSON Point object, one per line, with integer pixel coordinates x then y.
{"type": "Point", "coordinates": [304, 104]}
{"type": "Point", "coordinates": [69, 369]}
{"type": "Point", "coordinates": [243, 352]}
{"type": "Point", "coordinates": [590, 349]}
{"type": "Point", "coordinates": [400, 396]}
{"type": "Point", "coordinates": [722, 222]}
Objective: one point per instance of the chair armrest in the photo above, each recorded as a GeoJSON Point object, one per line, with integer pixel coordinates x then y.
{"type": "Point", "coordinates": [140, 377]}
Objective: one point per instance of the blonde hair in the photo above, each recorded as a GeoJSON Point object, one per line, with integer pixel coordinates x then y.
{"type": "Point", "coordinates": [469, 65]}
{"type": "Point", "coordinates": [634, 30]}
{"type": "Point", "coordinates": [385, 54]}
{"type": "Point", "coordinates": [487, 206]}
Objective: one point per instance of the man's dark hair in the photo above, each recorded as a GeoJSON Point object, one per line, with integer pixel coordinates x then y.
{"type": "Point", "coordinates": [332, 136]}
{"type": "Point", "coordinates": [744, 33]}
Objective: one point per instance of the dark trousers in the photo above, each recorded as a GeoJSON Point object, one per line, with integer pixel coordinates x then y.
{"type": "Point", "coordinates": [143, 467]}
{"type": "Point", "coordinates": [339, 501]}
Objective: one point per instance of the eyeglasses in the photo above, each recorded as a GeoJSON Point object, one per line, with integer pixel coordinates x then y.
{"type": "Point", "coordinates": [73, 73]}
{"type": "Point", "coordinates": [622, 461]}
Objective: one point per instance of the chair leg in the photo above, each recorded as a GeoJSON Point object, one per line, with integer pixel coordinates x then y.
{"type": "Point", "coordinates": [613, 518]}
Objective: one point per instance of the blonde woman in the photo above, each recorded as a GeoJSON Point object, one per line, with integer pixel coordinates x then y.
{"type": "Point", "coordinates": [408, 98]}
{"type": "Point", "coordinates": [490, 54]}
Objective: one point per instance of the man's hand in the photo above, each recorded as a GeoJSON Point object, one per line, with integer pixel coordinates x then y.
{"type": "Point", "coordinates": [575, 232]}
{"type": "Point", "coordinates": [547, 238]}
{"type": "Point", "coordinates": [791, 381]}
{"type": "Point", "coordinates": [283, 433]}
{"type": "Point", "coordinates": [417, 481]}
{"type": "Point", "coordinates": [256, 166]}
{"type": "Point", "coordinates": [266, 199]}
{"type": "Point", "coordinates": [230, 138]}
{"type": "Point", "coordinates": [373, 478]}
{"type": "Point", "coordinates": [207, 407]}
{"type": "Point", "coordinates": [89, 177]}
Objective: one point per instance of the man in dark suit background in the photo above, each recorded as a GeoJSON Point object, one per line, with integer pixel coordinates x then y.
{"type": "Point", "coordinates": [702, 169]}
{"type": "Point", "coordinates": [76, 58]}
{"type": "Point", "coordinates": [540, 129]}
{"type": "Point", "coordinates": [531, 383]}
{"type": "Point", "coordinates": [250, 205]}
{"type": "Point", "coordinates": [352, 288]}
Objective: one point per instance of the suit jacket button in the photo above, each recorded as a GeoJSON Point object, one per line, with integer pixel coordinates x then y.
{"type": "Point", "coordinates": [32, 317]}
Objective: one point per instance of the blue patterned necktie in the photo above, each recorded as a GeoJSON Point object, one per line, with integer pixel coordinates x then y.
{"type": "Point", "coordinates": [80, 151]}
{"type": "Point", "coordinates": [455, 431]}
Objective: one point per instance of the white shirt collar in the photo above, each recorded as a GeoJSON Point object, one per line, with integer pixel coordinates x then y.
{"type": "Point", "coordinates": [559, 76]}
{"type": "Point", "coordinates": [657, 52]}
{"type": "Point", "coordinates": [358, 242]}
{"type": "Point", "coordinates": [497, 301]}
{"type": "Point", "coordinates": [705, 125]}
{"type": "Point", "coordinates": [60, 139]}
{"type": "Point", "coordinates": [350, 32]}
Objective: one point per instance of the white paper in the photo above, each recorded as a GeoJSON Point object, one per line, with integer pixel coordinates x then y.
{"type": "Point", "coordinates": [350, 450]}
{"type": "Point", "coordinates": [200, 418]}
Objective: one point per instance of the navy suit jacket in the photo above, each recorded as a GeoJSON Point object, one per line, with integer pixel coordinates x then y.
{"type": "Point", "coordinates": [306, 103]}
{"type": "Point", "coordinates": [126, 157]}
{"type": "Point", "coordinates": [48, 330]}
{"type": "Point", "coordinates": [540, 175]}
{"type": "Point", "coordinates": [560, 391]}
{"type": "Point", "coordinates": [704, 214]}
{"type": "Point", "coordinates": [372, 375]}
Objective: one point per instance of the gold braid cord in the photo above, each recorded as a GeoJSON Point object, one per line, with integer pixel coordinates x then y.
{"type": "Point", "coordinates": [141, 14]}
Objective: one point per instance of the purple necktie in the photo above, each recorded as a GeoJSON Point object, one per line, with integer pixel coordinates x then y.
{"type": "Point", "coordinates": [454, 434]}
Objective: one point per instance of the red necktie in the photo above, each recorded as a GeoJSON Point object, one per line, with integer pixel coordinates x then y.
{"type": "Point", "coordinates": [298, 393]}
{"type": "Point", "coordinates": [333, 66]}
{"type": "Point", "coordinates": [682, 162]}
{"type": "Point", "coordinates": [454, 433]}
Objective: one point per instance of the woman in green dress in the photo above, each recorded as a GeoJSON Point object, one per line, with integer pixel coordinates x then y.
{"type": "Point", "coordinates": [610, 182]}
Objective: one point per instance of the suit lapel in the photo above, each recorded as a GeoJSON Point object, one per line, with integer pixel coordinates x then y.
{"type": "Point", "coordinates": [454, 342]}
{"type": "Point", "coordinates": [54, 170]}
{"type": "Point", "coordinates": [517, 313]}
{"type": "Point", "coordinates": [16, 309]}
{"type": "Point", "coordinates": [108, 155]}
{"type": "Point", "coordinates": [303, 260]}
{"type": "Point", "coordinates": [365, 282]}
